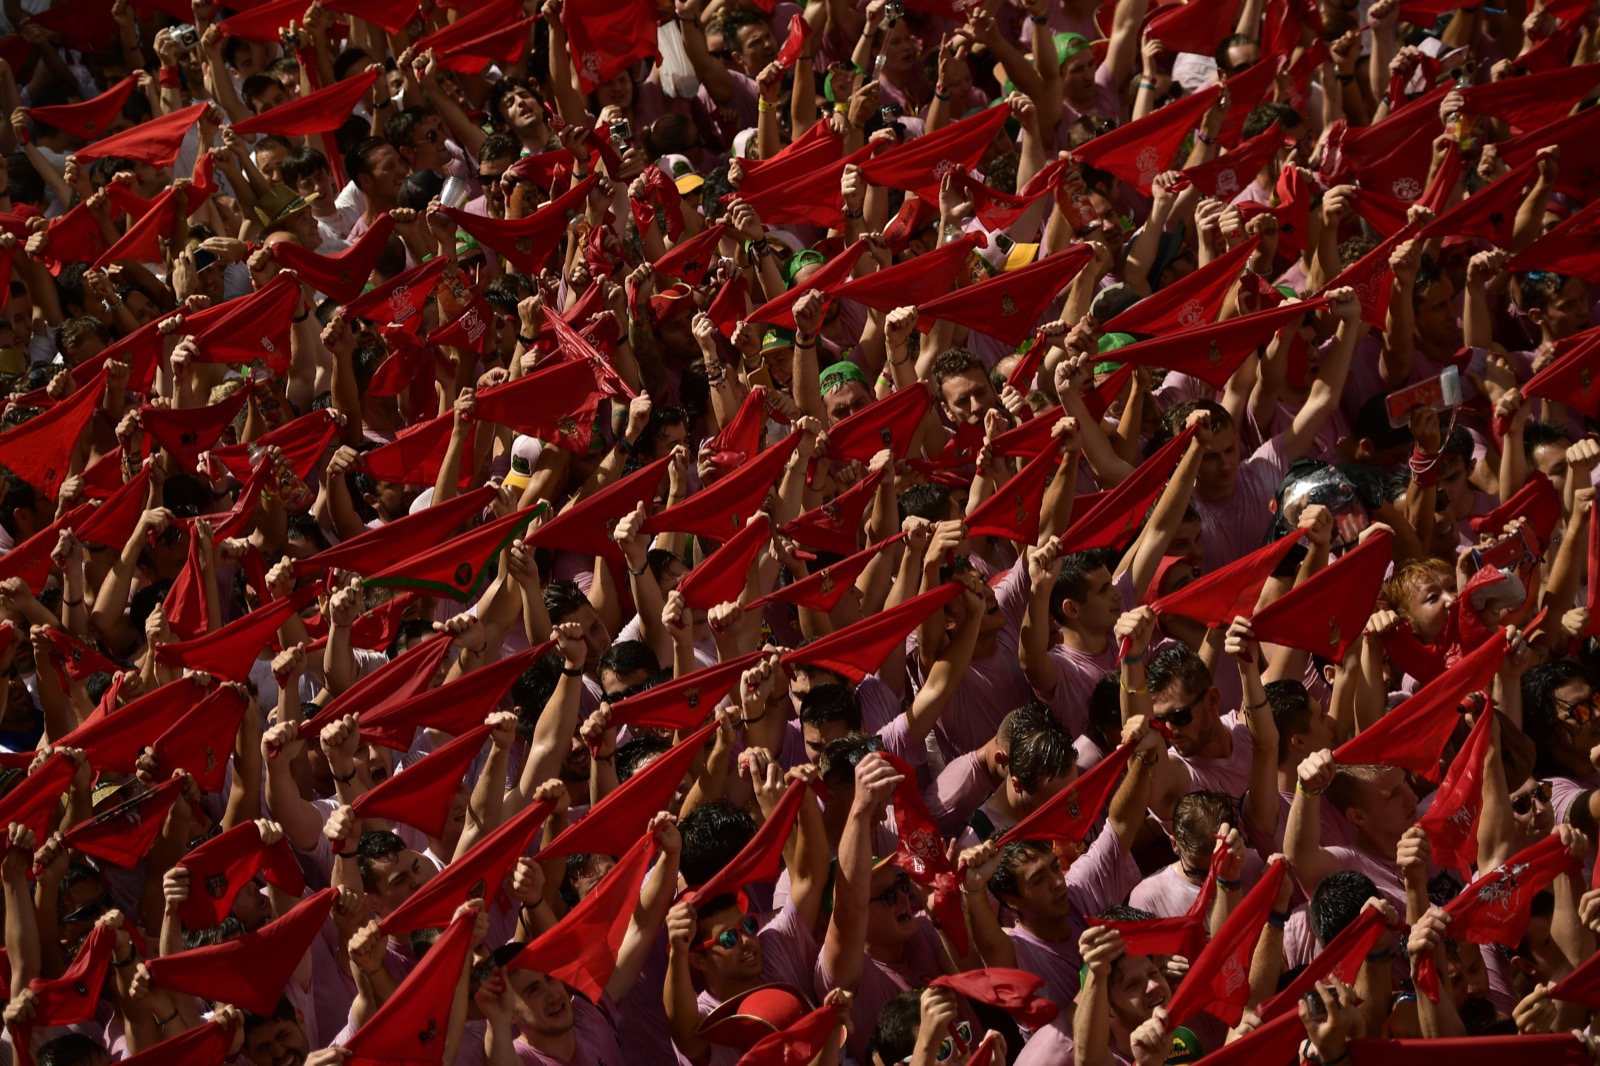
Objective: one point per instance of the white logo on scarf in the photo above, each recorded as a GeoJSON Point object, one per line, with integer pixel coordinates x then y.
{"type": "Point", "coordinates": [400, 307]}
{"type": "Point", "coordinates": [1191, 313]}
{"type": "Point", "coordinates": [1148, 161]}
{"type": "Point", "coordinates": [1227, 182]}
{"type": "Point", "coordinates": [1407, 189]}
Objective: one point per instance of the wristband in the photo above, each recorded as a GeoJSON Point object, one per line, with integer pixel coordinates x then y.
{"type": "Point", "coordinates": [1200, 136]}
{"type": "Point", "coordinates": [1379, 956]}
{"type": "Point", "coordinates": [938, 91]}
{"type": "Point", "coordinates": [526, 342]}
{"type": "Point", "coordinates": [567, 671]}
{"type": "Point", "coordinates": [1424, 469]}
{"type": "Point", "coordinates": [1038, 20]}
{"type": "Point", "coordinates": [1277, 921]}
{"type": "Point", "coordinates": [763, 106]}
{"type": "Point", "coordinates": [1345, 79]}
{"type": "Point", "coordinates": [169, 78]}
{"type": "Point", "coordinates": [1228, 886]}
{"type": "Point", "coordinates": [840, 108]}
{"type": "Point", "coordinates": [854, 216]}
{"type": "Point", "coordinates": [639, 572]}
{"type": "Point", "coordinates": [1304, 791]}
{"type": "Point", "coordinates": [1134, 658]}
{"type": "Point", "coordinates": [345, 780]}
{"type": "Point", "coordinates": [1148, 83]}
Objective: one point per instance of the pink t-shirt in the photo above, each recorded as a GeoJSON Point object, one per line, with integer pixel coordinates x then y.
{"type": "Point", "coordinates": [596, 1045]}
{"type": "Point", "coordinates": [1234, 527]}
{"type": "Point", "coordinates": [1229, 774]}
{"type": "Point", "coordinates": [1078, 672]}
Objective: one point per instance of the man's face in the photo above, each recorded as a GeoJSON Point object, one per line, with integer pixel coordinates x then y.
{"type": "Point", "coordinates": [543, 1006]}
{"type": "Point", "coordinates": [278, 1043]}
{"type": "Point", "coordinates": [270, 96]}
{"type": "Point", "coordinates": [1574, 710]}
{"type": "Point", "coordinates": [395, 879]}
{"type": "Point", "coordinates": [1192, 718]}
{"type": "Point", "coordinates": [755, 47]}
{"type": "Point", "coordinates": [891, 909]}
{"type": "Point", "coordinates": [269, 161]}
{"type": "Point", "coordinates": [1429, 607]}
{"type": "Point", "coordinates": [1532, 810]}
{"type": "Point", "coordinates": [89, 346]}
{"type": "Point", "coordinates": [1551, 461]}
{"type": "Point", "coordinates": [1186, 542]}
{"type": "Point", "coordinates": [319, 184]}
{"type": "Point", "coordinates": [1319, 732]}
{"type": "Point", "coordinates": [1243, 56]}
{"type": "Point", "coordinates": [524, 114]}
{"type": "Point", "coordinates": [1469, 978]}
{"type": "Point", "coordinates": [968, 395]}
{"type": "Point", "coordinates": [1137, 988]}
{"type": "Point", "coordinates": [595, 635]}
{"type": "Point", "coordinates": [1453, 483]}
{"type": "Point", "coordinates": [817, 736]}
{"type": "Point", "coordinates": [1436, 315]}
{"type": "Point", "coordinates": [1077, 76]}
{"type": "Point", "coordinates": [425, 145]}
{"type": "Point", "coordinates": [739, 961]}
{"type": "Point", "coordinates": [614, 683]}
{"type": "Point", "coordinates": [489, 171]}
{"type": "Point", "coordinates": [1098, 611]}
{"type": "Point", "coordinates": [1388, 806]}
{"type": "Point", "coordinates": [392, 500]}
{"type": "Point", "coordinates": [386, 172]}
{"type": "Point", "coordinates": [1041, 888]}
{"type": "Point", "coordinates": [1567, 312]}
{"type": "Point", "coordinates": [1219, 465]}
{"type": "Point", "coordinates": [845, 401]}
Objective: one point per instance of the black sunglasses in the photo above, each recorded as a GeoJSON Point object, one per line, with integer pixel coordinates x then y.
{"type": "Point", "coordinates": [1177, 718]}
{"type": "Point", "coordinates": [91, 910]}
{"type": "Point", "coordinates": [889, 896]}
{"type": "Point", "coordinates": [1541, 794]}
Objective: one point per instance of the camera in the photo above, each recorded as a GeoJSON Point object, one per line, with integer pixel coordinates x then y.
{"type": "Point", "coordinates": [621, 133]}
{"type": "Point", "coordinates": [186, 36]}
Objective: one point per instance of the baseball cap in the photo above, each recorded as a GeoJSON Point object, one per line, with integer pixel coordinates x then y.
{"type": "Point", "coordinates": [682, 172]}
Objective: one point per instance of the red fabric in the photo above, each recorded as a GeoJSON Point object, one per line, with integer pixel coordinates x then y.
{"type": "Point", "coordinates": [220, 867]}
{"type": "Point", "coordinates": [1014, 991]}
{"type": "Point", "coordinates": [70, 998]}
{"type": "Point", "coordinates": [627, 810]}
{"type": "Point", "coordinates": [1012, 511]}
{"type": "Point", "coordinates": [201, 741]}
{"type": "Point", "coordinates": [998, 210]}
{"type": "Point", "coordinates": [1372, 278]}
{"type": "Point", "coordinates": [721, 576]}
{"type": "Point", "coordinates": [684, 702]}
{"type": "Point", "coordinates": [501, 45]}
{"type": "Point", "coordinates": [1070, 813]}
{"type": "Point", "coordinates": [263, 22]}
{"type": "Point", "coordinates": [34, 801]}
{"type": "Point", "coordinates": [1182, 934]}
{"type": "Point", "coordinates": [302, 441]}
{"type": "Point", "coordinates": [253, 327]}
{"type": "Point", "coordinates": [760, 861]}
{"type": "Point", "coordinates": [860, 648]}
{"type": "Point", "coordinates": [581, 950]}
{"type": "Point", "coordinates": [739, 441]}
{"type": "Point", "coordinates": [1413, 735]}
{"type": "Point", "coordinates": [401, 297]}
{"type": "Point", "coordinates": [391, 15]}
{"type": "Point", "coordinates": [586, 526]}
{"type": "Point", "coordinates": [1193, 27]}
{"type": "Point", "coordinates": [249, 971]}
{"type": "Point", "coordinates": [526, 242]}
{"type": "Point", "coordinates": [1581, 985]}
{"type": "Point", "coordinates": [793, 42]}
{"type": "Point", "coordinates": [393, 542]}
{"type": "Point", "coordinates": [1573, 247]}
{"type": "Point", "coordinates": [1218, 982]}
{"type": "Point", "coordinates": [1007, 306]}
{"type": "Point", "coordinates": [1570, 379]}
{"type": "Point", "coordinates": [1222, 595]}
{"type": "Point", "coordinates": [89, 118]}
{"type": "Point", "coordinates": [155, 142]}
{"type": "Point", "coordinates": [75, 237]}
{"type": "Point", "coordinates": [1494, 209]}
{"type": "Point", "coordinates": [411, 1025]}
{"type": "Point", "coordinates": [913, 217]}
{"type": "Point", "coordinates": [1452, 819]}
{"type": "Point", "coordinates": [721, 509]}
{"type": "Point", "coordinates": [188, 612]}
{"type": "Point", "coordinates": [1193, 300]}
{"type": "Point", "coordinates": [836, 525]}
{"type": "Point", "coordinates": [230, 651]}
{"type": "Point", "coordinates": [414, 456]}
{"type": "Point", "coordinates": [915, 281]}
{"type": "Point", "coordinates": [86, 24]}
{"type": "Point", "coordinates": [1341, 959]}
{"type": "Point", "coordinates": [921, 855]}
{"type": "Point", "coordinates": [474, 21]}
{"type": "Point", "coordinates": [395, 681]}
{"type": "Point", "coordinates": [1497, 907]}
{"type": "Point", "coordinates": [816, 148]}
{"type": "Point", "coordinates": [1228, 175]}
{"type": "Point", "coordinates": [112, 522]}
{"type": "Point", "coordinates": [469, 331]}
{"type": "Point", "coordinates": [185, 432]}
{"type": "Point", "coordinates": [608, 36]}
{"type": "Point", "coordinates": [1578, 137]}
{"type": "Point", "coordinates": [1392, 156]}
{"type": "Point", "coordinates": [1327, 612]}
{"type": "Point", "coordinates": [480, 872]}
{"type": "Point", "coordinates": [78, 659]}
{"type": "Point", "coordinates": [421, 797]}
{"type": "Point", "coordinates": [688, 260]}
{"type": "Point", "coordinates": [1537, 501]}
{"type": "Point", "coordinates": [142, 241]}
{"type": "Point", "coordinates": [577, 347]}
{"type": "Point", "coordinates": [458, 567]}
{"type": "Point", "coordinates": [812, 198]}
{"type": "Point", "coordinates": [1105, 519]}
{"type": "Point", "coordinates": [887, 423]}
{"type": "Point", "coordinates": [453, 708]}
{"type": "Point", "coordinates": [1533, 100]}
{"type": "Point", "coordinates": [730, 305]}
{"type": "Point", "coordinates": [1140, 150]}
{"type": "Point", "coordinates": [779, 311]}
{"type": "Point", "coordinates": [344, 274]}
{"type": "Point", "coordinates": [40, 450]}
{"type": "Point", "coordinates": [557, 402]}
{"type": "Point", "coordinates": [112, 742]}
{"type": "Point", "coordinates": [122, 834]}
{"type": "Point", "coordinates": [799, 1044]}
{"type": "Point", "coordinates": [322, 111]}
{"type": "Point", "coordinates": [1213, 352]}
{"type": "Point", "coordinates": [205, 1045]}
{"type": "Point", "coordinates": [918, 165]}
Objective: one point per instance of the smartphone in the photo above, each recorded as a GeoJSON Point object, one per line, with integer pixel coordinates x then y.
{"type": "Point", "coordinates": [1442, 393]}
{"type": "Point", "coordinates": [1317, 1009]}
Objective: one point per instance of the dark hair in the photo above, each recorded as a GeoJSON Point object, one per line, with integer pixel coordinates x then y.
{"type": "Point", "coordinates": [70, 1049]}
{"type": "Point", "coordinates": [637, 751]}
{"type": "Point", "coordinates": [929, 501]}
{"type": "Point", "coordinates": [562, 600]}
{"type": "Point", "coordinates": [1003, 882]}
{"type": "Point", "coordinates": [284, 1012]}
{"type": "Point", "coordinates": [1072, 581]}
{"type": "Point", "coordinates": [1539, 433]}
{"type": "Point", "coordinates": [230, 928]}
{"type": "Point", "coordinates": [1262, 116]}
{"type": "Point", "coordinates": [1428, 276]}
{"type": "Point", "coordinates": [1291, 710]}
{"type": "Point", "coordinates": [627, 657]}
{"type": "Point", "coordinates": [1121, 912]}
{"type": "Point", "coordinates": [19, 496]}
{"type": "Point", "coordinates": [347, 59]}
{"type": "Point", "coordinates": [376, 846]}
{"type": "Point", "coordinates": [499, 145]}
{"type": "Point", "coordinates": [712, 835]}
{"type": "Point", "coordinates": [1539, 686]}
{"type": "Point", "coordinates": [74, 331]}
{"type": "Point", "coordinates": [397, 129]}
{"type": "Point", "coordinates": [1539, 287]}
{"type": "Point", "coordinates": [502, 89]}
{"type": "Point", "coordinates": [1221, 55]}
{"type": "Point", "coordinates": [532, 690]}
{"type": "Point", "coordinates": [841, 755]}
{"type": "Point", "coordinates": [303, 162]}
{"type": "Point", "coordinates": [831, 703]}
{"type": "Point", "coordinates": [1195, 820]}
{"type": "Point", "coordinates": [894, 1037]}
{"type": "Point", "coordinates": [255, 85]}
{"type": "Point", "coordinates": [953, 363]}
{"type": "Point", "coordinates": [1336, 903]}
{"type": "Point", "coordinates": [1041, 749]}
{"type": "Point", "coordinates": [1178, 664]}
{"type": "Point", "coordinates": [1105, 706]}
{"type": "Point", "coordinates": [1174, 418]}
{"type": "Point", "coordinates": [357, 160]}
{"type": "Point", "coordinates": [1372, 423]}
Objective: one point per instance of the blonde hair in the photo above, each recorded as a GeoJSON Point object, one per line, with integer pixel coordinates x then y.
{"type": "Point", "coordinates": [1408, 580]}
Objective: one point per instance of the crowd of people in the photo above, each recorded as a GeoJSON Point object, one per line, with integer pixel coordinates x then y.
{"type": "Point", "coordinates": [724, 531]}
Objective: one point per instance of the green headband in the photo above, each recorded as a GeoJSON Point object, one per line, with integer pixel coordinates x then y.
{"type": "Point", "coordinates": [797, 262]}
{"type": "Point", "coordinates": [839, 374]}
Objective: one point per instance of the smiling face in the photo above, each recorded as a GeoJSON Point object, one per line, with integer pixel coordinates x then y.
{"type": "Point", "coordinates": [543, 1008]}
{"type": "Point", "coordinates": [723, 965]}
{"type": "Point", "coordinates": [394, 880]}
{"type": "Point", "coordinates": [280, 1042]}
{"type": "Point", "coordinates": [890, 923]}
{"type": "Point", "coordinates": [1137, 988]}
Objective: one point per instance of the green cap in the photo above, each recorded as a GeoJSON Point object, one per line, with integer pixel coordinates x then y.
{"type": "Point", "coordinates": [797, 262]}
{"type": "Point", "coordinates": [1067, 46]}
{"type": "Point", "coordinates": [1110, 342]}
{"type": "Point", "coordinates": [839, 374]}
{"type": "Point", "coordinates": [777, 337]}
{"type": "Point", "coordinates": [1185, 1047]}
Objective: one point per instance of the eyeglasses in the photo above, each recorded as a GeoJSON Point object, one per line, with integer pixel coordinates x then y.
{"type": "Point", "coordinates": [91, 910]}
{"type": "Point", "coordinates": [729, 938]}
{"type": "Point", "coordinates": [1176, 718]}
{"type": "Point", "coordinates": [960, 1037]}
{"type": "Point", "coordinates": [891, 895]}
{"type": "Point", "coordinates": [1542, 791]}
{"type": "Point", "coordinates": [1581, 711]}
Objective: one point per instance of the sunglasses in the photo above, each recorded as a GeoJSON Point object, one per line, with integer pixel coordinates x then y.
{"type": "Point", "coordinates": [1176, 718]}
{"type": "Point", "coordinates": [1581, 711]}
{"type": "Point", "coordinates": [891, 895]}
{"type": "Point", "coordinates": [1542, 791]}
{"type": "Point", "coordinates": [960, 1038]}
{"type": "Point", "coordinates": [91, 910]}
{"type": "Point", "coordinates": [729, 938]}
